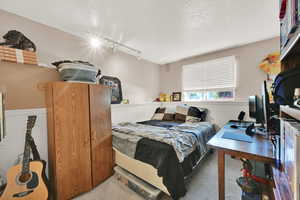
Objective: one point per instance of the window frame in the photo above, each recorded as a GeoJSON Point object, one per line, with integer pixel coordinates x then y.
{"type": "Point", "coordinates": [211, 100]}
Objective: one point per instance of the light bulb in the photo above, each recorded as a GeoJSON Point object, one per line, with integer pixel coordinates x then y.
{"type": "Point", "coordinates": [95, 42]}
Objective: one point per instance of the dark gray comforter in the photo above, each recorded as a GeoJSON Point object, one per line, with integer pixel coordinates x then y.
{"type": "Point", "coordinates": [184, 138]}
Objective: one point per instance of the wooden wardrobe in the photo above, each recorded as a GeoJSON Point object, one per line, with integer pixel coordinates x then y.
{"type": "Point", "coordinates": [79, 137]}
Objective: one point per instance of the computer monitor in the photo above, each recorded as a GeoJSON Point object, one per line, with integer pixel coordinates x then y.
{"type": "Point", "coordinates": [266, 105]}
{"type": "Point", "coordinates": [256, 110]}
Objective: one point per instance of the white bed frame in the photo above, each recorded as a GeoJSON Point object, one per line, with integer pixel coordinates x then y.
{"type": "Point", "coordinates": [142, 170]}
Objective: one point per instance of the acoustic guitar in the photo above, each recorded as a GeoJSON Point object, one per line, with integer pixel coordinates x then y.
{"type": "Point", "coordinates": [25, 181]}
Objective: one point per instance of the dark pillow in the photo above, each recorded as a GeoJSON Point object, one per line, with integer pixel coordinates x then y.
{"type": "Point", "coordinates": [186, 113]}
{"type": "Point", "coordinates": [196, 114]}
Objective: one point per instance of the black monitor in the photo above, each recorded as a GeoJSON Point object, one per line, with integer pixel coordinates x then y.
{"type": "Point", "coordinates": [266, 105]}
{"type": "Point", "coordinates": [256, 110]}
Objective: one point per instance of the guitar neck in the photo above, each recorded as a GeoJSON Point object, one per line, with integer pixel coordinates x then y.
{"type": "Point", "coordinates": [26, 154]}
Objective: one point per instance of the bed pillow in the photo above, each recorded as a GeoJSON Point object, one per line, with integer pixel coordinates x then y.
{"type": "Point", "coordinates": [192, 114]}
{"type": "Point", "coordinates": [199, 113]}
{"type": "Point", "coordinates": [164, 114]}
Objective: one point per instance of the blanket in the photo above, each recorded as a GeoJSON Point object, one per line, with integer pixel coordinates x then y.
{"type": "Point", "coordinates": [184, 138]}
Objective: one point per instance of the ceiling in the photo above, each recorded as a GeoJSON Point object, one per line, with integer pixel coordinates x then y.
{"type": "Point", "coordinates": [164, 30]}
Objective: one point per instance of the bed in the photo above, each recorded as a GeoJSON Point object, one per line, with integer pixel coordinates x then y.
{"type": "Point", "coordinates": [162, 153]}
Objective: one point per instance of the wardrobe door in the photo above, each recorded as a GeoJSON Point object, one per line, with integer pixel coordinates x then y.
{"type": "Point", "coordinates": [101, 133]}
{"type": "Point", "coordinates": [72, 139]}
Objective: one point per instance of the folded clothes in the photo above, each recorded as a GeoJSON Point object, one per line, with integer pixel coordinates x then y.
{"type": "Point", "coordinates": [77, 71]}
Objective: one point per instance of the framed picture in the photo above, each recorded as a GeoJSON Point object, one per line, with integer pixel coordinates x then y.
{"type": "Point", "coordinates": [116, 89]}
{"type": "Point", "coordinates": [176, 96]}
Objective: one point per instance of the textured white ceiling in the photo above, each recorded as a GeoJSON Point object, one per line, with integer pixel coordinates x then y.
{"type": "Point", "coordinates": [164, 30]}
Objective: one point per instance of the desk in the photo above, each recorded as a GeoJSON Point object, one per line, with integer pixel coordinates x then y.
{"type": "Point", "coordinates": [260, 149]}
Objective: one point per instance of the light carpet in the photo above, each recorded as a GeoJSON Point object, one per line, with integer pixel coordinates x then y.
{"type": "Point", "coordinates": [204, 184]}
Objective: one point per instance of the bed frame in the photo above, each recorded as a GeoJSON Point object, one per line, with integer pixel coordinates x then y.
{"type": "Point", "coordinates": [145, 171]}
{"type": "Point", "coordinates": [142, 170]}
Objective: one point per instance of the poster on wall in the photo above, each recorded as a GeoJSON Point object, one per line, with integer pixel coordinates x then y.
{"type": "Point", "coordinates": [116, 89]}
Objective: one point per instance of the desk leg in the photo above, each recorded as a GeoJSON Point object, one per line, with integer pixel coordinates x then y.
{"type": "Point", "coordinates": [221, 174]}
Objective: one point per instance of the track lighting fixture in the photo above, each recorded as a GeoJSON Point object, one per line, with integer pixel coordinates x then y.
{"type": "Point", "coordinates": [96, 42]}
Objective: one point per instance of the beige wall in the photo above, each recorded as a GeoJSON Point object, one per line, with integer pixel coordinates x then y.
{"type": "Point", "coordinates": [250, 77]}
{"type": "Point", "coordinates": [139, 78]}
{"type": "Point", "coordinates": [20, 82]}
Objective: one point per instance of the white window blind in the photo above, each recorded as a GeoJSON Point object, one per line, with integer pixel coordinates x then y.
{"type": "Point", "coordinates": [209, 75]}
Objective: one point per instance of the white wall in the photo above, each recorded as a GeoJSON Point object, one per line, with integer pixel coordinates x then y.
{"type": "Point", "coordinates": [13, 144]}
{"type": "Point", "coordinates": [139, 78]}
{"type": "Point", "coordinates": [250, 76]}
{"type": "Point", "coordinates": [133, 112]}
{"type": "Point", "coordinates": [219, 113]}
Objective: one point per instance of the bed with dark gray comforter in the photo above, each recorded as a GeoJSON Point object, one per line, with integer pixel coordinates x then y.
{"type": "Point", "coordinates": [173, 148]}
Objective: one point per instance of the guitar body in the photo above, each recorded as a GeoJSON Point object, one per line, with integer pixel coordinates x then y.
{"type": "Point", "coordinates": [34, 188]}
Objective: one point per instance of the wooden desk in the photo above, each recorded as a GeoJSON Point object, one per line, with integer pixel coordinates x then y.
{"type": "Point", "coordinates": [260, 149]}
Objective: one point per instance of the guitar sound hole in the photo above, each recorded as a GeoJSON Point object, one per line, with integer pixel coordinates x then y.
{"type": "Point", "coordinates": [25, 178]}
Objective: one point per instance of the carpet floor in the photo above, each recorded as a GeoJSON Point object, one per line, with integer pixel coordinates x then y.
{"type": "Point", "coordinates": [203, 186]}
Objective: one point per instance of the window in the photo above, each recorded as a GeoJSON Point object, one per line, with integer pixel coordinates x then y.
{"type": "Point", "coordinates": [210, 81]}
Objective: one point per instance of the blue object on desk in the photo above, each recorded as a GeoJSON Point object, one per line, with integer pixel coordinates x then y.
{"type": "Point", "coordinates": [249, 196]}
{"type": "Point", "coordinates": [240, 136]}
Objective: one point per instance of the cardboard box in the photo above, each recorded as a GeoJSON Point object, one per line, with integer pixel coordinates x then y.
{"type": "Point", "coordinates": [17, 56]}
